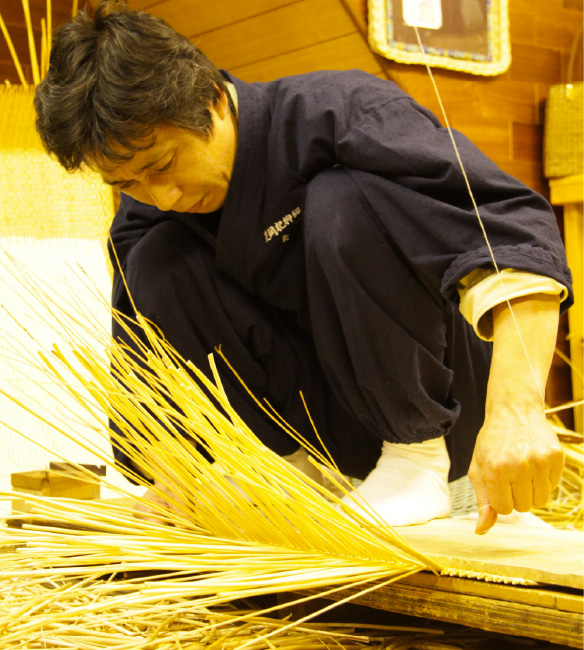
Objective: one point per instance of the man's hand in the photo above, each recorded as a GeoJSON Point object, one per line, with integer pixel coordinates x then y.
{"type": "Point", "coordinates": [163, 497]}
{"type": "Point", "coordinates": [517, 463]}
{"type": "Point", "coordinates": [518, 460]}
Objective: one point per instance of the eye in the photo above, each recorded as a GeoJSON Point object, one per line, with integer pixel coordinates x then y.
{"type": "Point", "coordinates": [166, 167]}
{"type": "Point", "coordinates": [126, 185]}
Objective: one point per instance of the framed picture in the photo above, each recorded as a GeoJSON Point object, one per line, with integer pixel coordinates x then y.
{"type": "Point", "coordinates": [463, 35]}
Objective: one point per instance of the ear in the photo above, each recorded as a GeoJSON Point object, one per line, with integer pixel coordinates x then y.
{"type": "Point", "coordinates": [221, 106]}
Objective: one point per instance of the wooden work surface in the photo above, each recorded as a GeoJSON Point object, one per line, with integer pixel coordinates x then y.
{"type": "Point", "coordinates": [552, 610]}
{"type": "Point", "coordinates": [543, 555]}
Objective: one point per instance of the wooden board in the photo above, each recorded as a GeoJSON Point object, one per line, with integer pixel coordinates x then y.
{"type": "Point", "coordinates": [542, 555]}
{"type": "Point", "coordinates": [551, 558]}
{"type": "Point", "coordinates": [530, 612]}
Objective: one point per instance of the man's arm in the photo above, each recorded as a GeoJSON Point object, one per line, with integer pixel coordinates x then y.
{"type": "Point", "coordinates": [518, 460]}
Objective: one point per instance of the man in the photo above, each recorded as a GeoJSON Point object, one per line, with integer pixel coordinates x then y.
{"type": "Point", "coordinates": [319, 229]}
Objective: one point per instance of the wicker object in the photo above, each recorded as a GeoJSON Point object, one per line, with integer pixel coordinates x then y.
{"type": "Point", "coordinates": [564, 120]}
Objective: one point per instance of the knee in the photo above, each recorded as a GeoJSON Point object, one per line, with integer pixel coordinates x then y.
{"type": "Point", "coordinates": [165, 256]}
{"type": "Point", "coordinates": [158, 245]}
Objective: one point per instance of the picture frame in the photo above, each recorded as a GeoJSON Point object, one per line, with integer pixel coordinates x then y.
{"type": "Point", "coordinates": [463, 35]}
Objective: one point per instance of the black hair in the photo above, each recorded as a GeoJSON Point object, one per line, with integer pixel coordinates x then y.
{"type": "Point", "coordinates": [115, 76]}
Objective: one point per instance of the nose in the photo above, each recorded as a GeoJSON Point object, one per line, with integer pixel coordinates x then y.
{"type": "Point", "coordinates": [164, 195]}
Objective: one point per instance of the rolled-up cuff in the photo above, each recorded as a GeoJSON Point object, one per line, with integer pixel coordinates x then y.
{"type": "Point", "coordinates": [482, 289]}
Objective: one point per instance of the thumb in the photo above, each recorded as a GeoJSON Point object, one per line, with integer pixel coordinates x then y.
{"type": "Point", "coordinates": [487, 516]}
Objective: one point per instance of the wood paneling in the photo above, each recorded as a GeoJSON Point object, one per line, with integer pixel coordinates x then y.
{"type": "Point", "coordinates": [490, 135]}
{"type": "Point", "coordinates": [560, 31]}
{"type": "Point", "coordinates": [324, 56]}
{"type": "Point", "coordinates": [458, 98]}
{"type": "Point", "coordinates": [18, 35]}
{"type": "Point", "coordinates": [536, 64]}
{"type": "Point", "coordinates": [7, 72]}
{"type": "Point", "coordinates": [196, 17]}
{"type": "Point", "coordinates": [514, 99]}
{"type": "Point", "coordinates": [278, 32]}
{"type": "Point", "coordinates": [527, 141]}
{"type": "Point", "coordinates": [13, 14]}
{"type": "Point", "coordinates": [531, 173]}
{"type": "Point", "coordinates": [521, 21]}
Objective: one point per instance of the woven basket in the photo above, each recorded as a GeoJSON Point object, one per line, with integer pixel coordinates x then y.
{"type": "Point", "coordinates": [564, 121]}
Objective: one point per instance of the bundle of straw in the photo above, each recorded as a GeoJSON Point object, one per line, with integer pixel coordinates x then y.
{"type": "Point", "coordinates": [195, 628]}
{"type": "Point", "coordinates": [90, 574]}
{"type": "Point", "coordinates": [566, 508]}
{"type": "Point", "coordinates": [256, 525]}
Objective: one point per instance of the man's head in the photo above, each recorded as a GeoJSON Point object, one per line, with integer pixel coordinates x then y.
{"type": "Point", "coordinates": [115, 79]}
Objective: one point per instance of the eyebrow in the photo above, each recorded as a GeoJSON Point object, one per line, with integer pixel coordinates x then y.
{"type": "Point", "coordinates": [138, 171]}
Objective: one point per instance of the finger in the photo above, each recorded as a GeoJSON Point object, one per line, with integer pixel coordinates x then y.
{"type": "Point", "coordinates": [542, 490]}
{"type": "Point", "coordinates": [557, 468]}
{"type": "Point", "coordinates": [487, 516]}
{"type": "Point", "coordinates": [522, 496]}
{"type": "Point", "coordinates": [500, 495]}
{"type": "Point", "coordinates": [487, 519]}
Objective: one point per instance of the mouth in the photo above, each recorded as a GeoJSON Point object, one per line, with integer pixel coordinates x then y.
{"type": "Point", "coordinates": [196, 207]}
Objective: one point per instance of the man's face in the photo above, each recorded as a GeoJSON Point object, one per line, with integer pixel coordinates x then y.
{"type": "Point", "coordinates": [182, 171]}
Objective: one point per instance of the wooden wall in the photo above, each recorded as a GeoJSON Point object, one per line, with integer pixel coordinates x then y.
{"type": "Point", "coordinates": [13, 16]}
{"type": "Point", "coordinates": [260, 40]}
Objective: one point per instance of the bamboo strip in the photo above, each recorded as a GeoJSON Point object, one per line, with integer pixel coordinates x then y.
{"type": "Point", "coordinates": [49, 33]}
{"type": "Point", "coordinates": [36, 77]}
{"type": "Point", "coordinates": [44, 53]}
{"type": "Point", "coordinates": [13, 53]}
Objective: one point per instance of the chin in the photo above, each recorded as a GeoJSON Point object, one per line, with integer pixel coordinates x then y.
{"type": "Point", "coordinates": [211, 206]}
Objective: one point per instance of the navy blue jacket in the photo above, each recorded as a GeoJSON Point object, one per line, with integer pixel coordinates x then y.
{"type": "Point", "coordinates": [399, 157]}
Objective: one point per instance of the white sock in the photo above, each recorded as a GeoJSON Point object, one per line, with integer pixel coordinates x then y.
{"type": "Point", "coordinates": [409, 484]}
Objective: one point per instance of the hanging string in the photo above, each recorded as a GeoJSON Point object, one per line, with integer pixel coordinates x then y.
{"type": "Point", "coordinates": [476, 210]}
